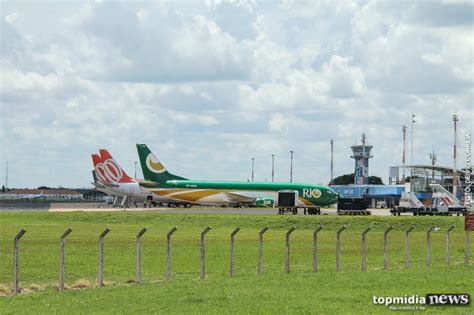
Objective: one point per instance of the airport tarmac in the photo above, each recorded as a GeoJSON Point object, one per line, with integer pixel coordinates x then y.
{"type": "Point", "coordinates": [102, 207]}
{"type": "Point", "coordinates": [203, 210]}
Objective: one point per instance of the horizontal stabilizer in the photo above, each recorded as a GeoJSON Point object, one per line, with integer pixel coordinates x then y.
{"type": "Point", "coordinates": [108, 184]}
{"type": "Point", "coordinates": [147, 183]}
{"type": "Point", "coordinates": [98, 185]}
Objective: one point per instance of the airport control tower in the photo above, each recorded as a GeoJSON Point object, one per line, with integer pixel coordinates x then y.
{"type": "Point", "coordinates": [361, 155]}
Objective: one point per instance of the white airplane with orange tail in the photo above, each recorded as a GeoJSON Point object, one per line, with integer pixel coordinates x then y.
{"type": "Point", "coordinates": [111, 179]}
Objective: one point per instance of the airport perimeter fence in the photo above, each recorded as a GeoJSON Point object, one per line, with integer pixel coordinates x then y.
{"type": "Point", "coordinates": [79, 259]}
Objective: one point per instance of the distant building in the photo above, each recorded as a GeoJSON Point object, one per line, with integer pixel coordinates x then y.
{"type": "Point", "coordinates": [48, 194]}
{"type": "Point", "coordinates": [388, 194]}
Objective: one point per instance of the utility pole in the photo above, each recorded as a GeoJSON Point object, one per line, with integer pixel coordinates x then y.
{"type": "Point", "coordinates": [455, 171]}
{"type": "Point", "coordinates": [253, 159]}
{"type": "Point", "coordinates": [6, 178]}
{"type": "Point", "coordinates": [433, 158]}
{"type": "Point", "coordinates": [332, 161]}
{"type": "Point", "coordinates": [135, 169]}
{"type": "Point", "coordinates": [411, 145]}
{"type": "Point", "coordinates": [273, 168]}
{"type": "Point", "coordinates": [404, 131]}
{"type": "Point", "coordinates": [363, 162]}
{"type": "Point", "coordinates": [291, 166]}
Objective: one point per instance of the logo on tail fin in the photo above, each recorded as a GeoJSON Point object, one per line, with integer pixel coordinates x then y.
{"type": "Point", "coordinates": [154, 165]}
{"type": "Point", "coordinates": [109, 171]}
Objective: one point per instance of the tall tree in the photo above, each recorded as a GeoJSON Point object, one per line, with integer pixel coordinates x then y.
{"type": "Point", "coordinates": [348, 179]}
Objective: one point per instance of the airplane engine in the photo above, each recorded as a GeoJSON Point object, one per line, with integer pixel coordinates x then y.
{"type": "Point", "coordinates": [265, 202]}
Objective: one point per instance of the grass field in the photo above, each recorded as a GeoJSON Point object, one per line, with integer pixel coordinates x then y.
{"type": "Point", "coordinates": [301, 291]}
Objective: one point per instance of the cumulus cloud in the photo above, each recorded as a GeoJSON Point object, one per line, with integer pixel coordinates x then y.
{"type": "Point", "coordinates": [209, 85]}
{"type": "Point", "coordinates": [158, 44]}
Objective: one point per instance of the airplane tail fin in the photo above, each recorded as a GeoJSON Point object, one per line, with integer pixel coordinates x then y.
{"type": "Point", "coordinates": [108, 170]}
{"type": "Point", "coordinates": [94, 176]}
{"type": "Point", "coordinates": [153, 169]}
{"type": "Point", "coordinates": [95, 161]}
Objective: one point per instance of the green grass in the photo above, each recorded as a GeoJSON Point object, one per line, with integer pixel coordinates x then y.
{"type": "Point", "coordinates": [301, 291]}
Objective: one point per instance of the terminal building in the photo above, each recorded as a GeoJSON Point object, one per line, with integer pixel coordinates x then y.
{"type": "Point", "coordinates": [418, 181]}
{"type": "Point", "coordinates": [421, 176]}
{"type": "Point", "coordinates": [376, 196]}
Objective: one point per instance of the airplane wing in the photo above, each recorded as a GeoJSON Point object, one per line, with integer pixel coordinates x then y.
{"type": "Point", "coordinates": [236, 198]}
{"type": "Point", "coordinates": [108, 184]}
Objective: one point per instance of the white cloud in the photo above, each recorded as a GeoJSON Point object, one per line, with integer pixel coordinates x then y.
{"type": "Point", "coordinates": [277, 123]}
{"type": "Point", "coordinates": [344, 80]}
{"type": "Point", "coordinates": [209, 85]}
{"type": "Point", "coordinates": [12, 17]}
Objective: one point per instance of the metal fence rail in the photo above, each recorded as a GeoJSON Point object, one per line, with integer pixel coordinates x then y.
{"type": "Point", "coordinates": [29, 260]}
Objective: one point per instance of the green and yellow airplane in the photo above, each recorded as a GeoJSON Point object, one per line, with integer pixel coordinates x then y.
{"type": "Point", "coordinates": [267, 194]}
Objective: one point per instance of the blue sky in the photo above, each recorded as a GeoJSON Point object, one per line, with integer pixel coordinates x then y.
{"type": "Point", "coordinates": [208, 85]}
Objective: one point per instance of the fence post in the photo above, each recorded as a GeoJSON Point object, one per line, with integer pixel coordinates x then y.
{"type": "Point", "coordinates": [168, 252]}
{"type": "Point", "coordinates": [100, 281]}
{"type": "Point", "coordinates": [203, 252]}
{"type": "Point", "coordinates": [232, 251]}
{"type": "Point", "coordinates": [338, 247]}
{"type": "Point", "coordinates": [466, 256]}
{"type": "Point", "coordinates": [62, 243]}
{"type": "Point", "coordinates": [138, 262]}
{"type": "Point", "coordinates": [16, 261]}
{"type": "Point", "coordinates": [364, 252]}
{"type": "Point", "coordinates": [407, 246]}
{"type": "Point", "coordinates": [448, 243]}
{"type": "Point", "coordinates": [385, 247]}
{"type": "Point", "coordinates": [315, 248]}
{"type": "Point", "coordinates": [428, 246]}
{"type": "Point", "coordinates": [260, 249]}
{"type": "Point", "coordinates": [287, 250]}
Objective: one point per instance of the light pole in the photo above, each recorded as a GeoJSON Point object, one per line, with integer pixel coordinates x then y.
{"type": "Point", "coordinates": [253, 159]}
{"type": "Point", "coordinates": [6, 178]}
{"type": "Point", "coordinates": [433, 158]}
{"type": "Point", "coordinates": [291, 167]}
{"type": "Point", "coordinates": [413, 121]}
{"type": "Point", "coordinates": [332, 161]}
{"type": "Point", "coordinates": [135, 169]}
{"type": "Point", "coordinates": [404, 131]}
{"type": "Point", "coordinates": [455, 171]}
{"type": "Point", "coordinates": [273, 168]}
{"type": "Point", "coordinates": [411, 147]}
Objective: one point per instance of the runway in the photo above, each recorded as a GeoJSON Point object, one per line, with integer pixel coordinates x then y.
{"type": "Point", "coordinates": [102, 207]}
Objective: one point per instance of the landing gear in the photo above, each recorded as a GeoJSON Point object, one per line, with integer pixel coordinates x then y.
{"type": "Point", "coordinates": [312, 211]}
{"type": "Point", "coordinates": [306, 210]}
{"type": "Point", "coordinates": [293, 210]}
